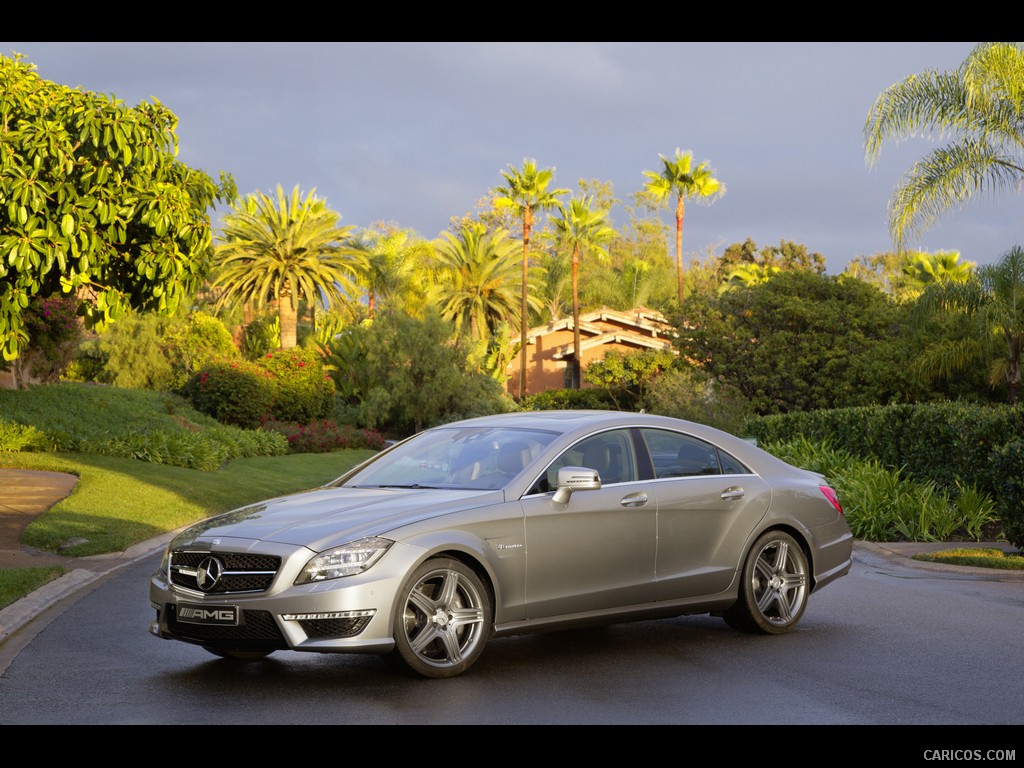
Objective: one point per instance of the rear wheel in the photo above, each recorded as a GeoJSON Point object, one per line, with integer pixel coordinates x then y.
{"type": "Point", "coordinates": [442, 619]}
{"type": "Point", "coordinates": [774, 587]}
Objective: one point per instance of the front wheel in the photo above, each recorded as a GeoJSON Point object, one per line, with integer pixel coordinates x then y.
{"type": "Point", "coordinates": [442, 619]}
{"type": "Point", "coordinates": [774, 587]}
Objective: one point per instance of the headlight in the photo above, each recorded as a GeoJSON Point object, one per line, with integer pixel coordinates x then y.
{"type": "Point", "coordinates": [346, 560]}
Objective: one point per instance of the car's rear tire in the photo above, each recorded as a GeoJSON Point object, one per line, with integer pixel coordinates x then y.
{"type": "Point", "coordinates": [774, 586]}
{"type": "Point", "coordinates": [443, 619]}
{"type": "Point", "coordinates": [239, 655]}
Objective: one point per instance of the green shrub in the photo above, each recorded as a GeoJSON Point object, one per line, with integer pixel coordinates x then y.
{"type": "Point", "coordinates": [1008, 463]}
{"type": "Point", "coordinates": [885, 504]}
{"type": "Point", "coordinates": [569, 399]}
{"type": "Point", "coordinates": [235, 392]}
{"type": "Point", "coordinates": [305, 390]}
{"type": "Point", "coordinates": [21, 437]}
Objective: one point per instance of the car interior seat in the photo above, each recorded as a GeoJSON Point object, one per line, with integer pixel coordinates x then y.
{"type": "Point", "coordinates": [598, 456]}
{"type": "Point", "coordinates": [693, 459]}
{"type": "Point", "coordinates": [513, 457]}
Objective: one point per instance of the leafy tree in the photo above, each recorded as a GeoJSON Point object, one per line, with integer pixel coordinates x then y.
{"type": "Point", "coordinates": [798, 341]}
{"type": "Point", "coordinates": [526, 193]}
{"type": "Point", "coordinates": [579, 228]}
{"type": "Point", "coordinates": [475, 281]}
{"type": "Point", "coordinates": [411, 376]}
{"type": "Point", "coordinates": [680, 178]}
{"type": "Point", "coordinates": [284, 250]}
{"type": "Point", "coordinates": [980, 105]}
{"type": "Point", "coordinates": [628, 376]}
{"type": "Point", "coordinates": [94, 204]}
{"type": "Point", "coordinates": [990, 310]}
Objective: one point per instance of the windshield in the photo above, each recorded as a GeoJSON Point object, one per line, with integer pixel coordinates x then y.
{"type": "Point", "coordinates": [465, 458]}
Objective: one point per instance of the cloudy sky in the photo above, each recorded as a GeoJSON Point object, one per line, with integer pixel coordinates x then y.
{"type": "Point", "coordinates": [417, 132]}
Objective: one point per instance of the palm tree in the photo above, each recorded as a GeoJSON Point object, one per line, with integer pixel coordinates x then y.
{"type": "Point", "coordinates": [394, 258]}
{"type": "Point", "coordinates": [922, 269]}
{"type": "Point", "coordinates": [475, 281]}
{"type": "Point", "coordinates": [526, 192]}
{"type": "Point", "coordinates": [284, 250]}
{"type": "Point", "coordinates": [580, 229]}
{"type": "Point", "coordinates": [679, 177]}
{"type": "Point", "coordinates": [981, 106]}
{"type": "Point", "coordinates": [991, 307]}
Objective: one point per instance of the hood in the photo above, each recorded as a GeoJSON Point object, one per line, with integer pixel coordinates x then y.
{"type": "Point", "coordinates": [323, 518]}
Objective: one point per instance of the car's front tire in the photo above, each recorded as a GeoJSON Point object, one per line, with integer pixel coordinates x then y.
{"type": "Point", "coordinates": [443, 619]}
{"type": "Point", "coordinates": [774, 586]}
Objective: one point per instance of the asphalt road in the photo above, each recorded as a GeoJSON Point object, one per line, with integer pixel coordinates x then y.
{"type": "Point", "coordinates": [888, 645]}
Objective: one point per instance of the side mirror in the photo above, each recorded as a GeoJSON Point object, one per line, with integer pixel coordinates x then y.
{"type": "Point", "coordinates": [575, 479]}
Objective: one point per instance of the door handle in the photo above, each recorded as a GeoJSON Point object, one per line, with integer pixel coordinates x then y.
{"type": "Point", "coordinates": [634, 500]}
{"type": "Point", "coordinates": [736, 492]}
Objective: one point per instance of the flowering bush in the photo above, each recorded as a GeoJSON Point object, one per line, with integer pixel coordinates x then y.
{"type": "Point", "coordinates": [54, 332]}
{"type": "Point", "coordinates": [305, 389]}
{"type": "Point", "coordinates": [324, 436]}
{"type": "Point", "coordinates": [233, 392]}
{"type": "Point", "coordinates": [288, 386]}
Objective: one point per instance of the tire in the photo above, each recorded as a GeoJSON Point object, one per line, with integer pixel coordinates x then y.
{"type": "Point", "coordinates": [443, 619]}
{"type": "Point", "coordinates": [236, 655]}
{"type": "Point", "coordinates": [774, 587]}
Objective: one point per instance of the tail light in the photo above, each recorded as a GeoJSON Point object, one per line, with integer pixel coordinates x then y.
{"type": "Point", "coordinates": [832, 496]}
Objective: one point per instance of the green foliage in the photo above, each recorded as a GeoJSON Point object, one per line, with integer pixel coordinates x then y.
{"type": "Point", "coordinates": [940, 442]}
{"type": "Point", "coordinates": [261, 337]}
{"type": "Point", "coordinates": [885, 504]}
{"type": "Point", "coordinates": [286, 249]}
{"type": "Point", "coordinates": [236, 392]}
{"type": "Point", "coordinates": [134, 353]}
{"type": "Point", "coordinates": [975, 557]}
{"type": "Point", "coordinates": [1008, 466]}
{"type": "Point", "coordinates": [798, 341]}
{"type": "Point", "coordinates": [304, 390]}
{"type": "Point", "coordinates": [628, 376]}
{"type": "Point", "coordinates": [21, 437]}
{"type": "Point", "coordinates": [93, 198]}
{"type": "Point", "coordinates": [194, 342]}
{"type": "Point", "coordinates": [689, 393]}
{"type": "Point", "coordinates": [406, 374]}
{"type": "Point", "coordinates": [106, 421]}
{"type": "Point", "coordinates": [587, 399]}
{"type": "Point", "coordinates": [976, 109]}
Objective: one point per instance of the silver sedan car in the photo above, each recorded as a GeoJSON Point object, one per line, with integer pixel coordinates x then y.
{"type": "Point", "coordinates": [508, 524]}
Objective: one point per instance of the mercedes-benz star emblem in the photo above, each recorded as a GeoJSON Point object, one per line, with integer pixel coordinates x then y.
{"type": "Point", "coordinates": [209, 572]}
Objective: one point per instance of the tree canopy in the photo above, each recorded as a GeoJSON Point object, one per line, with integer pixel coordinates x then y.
{"type": "Point", "coordinates": [95, 204]}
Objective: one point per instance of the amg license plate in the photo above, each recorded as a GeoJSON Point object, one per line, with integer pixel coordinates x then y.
{"type": "Point", "coordinates": [219, 615]}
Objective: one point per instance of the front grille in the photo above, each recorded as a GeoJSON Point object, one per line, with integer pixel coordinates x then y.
{"type": "Point", "coordinates": [242, 571]}
{"type": "Point", "coordinates": [253, 626]}
{"type": "Point", "coordinates": [321, 628]}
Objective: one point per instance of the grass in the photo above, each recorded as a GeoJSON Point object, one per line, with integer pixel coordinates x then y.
{"type": "Point", "coordinates": [146, 462]}
{"type": "Point", "coordinates": [982, 557]}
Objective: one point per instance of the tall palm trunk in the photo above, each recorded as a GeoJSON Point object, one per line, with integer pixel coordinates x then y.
{"type": "Point", "coordinates": [576, 367]}
{"type": "Point", "coordinates": [287, 312]}
{"type": "Point", "coordinates": [680, 213]}
{"type": "Point", "coordinates": [524, 318]}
